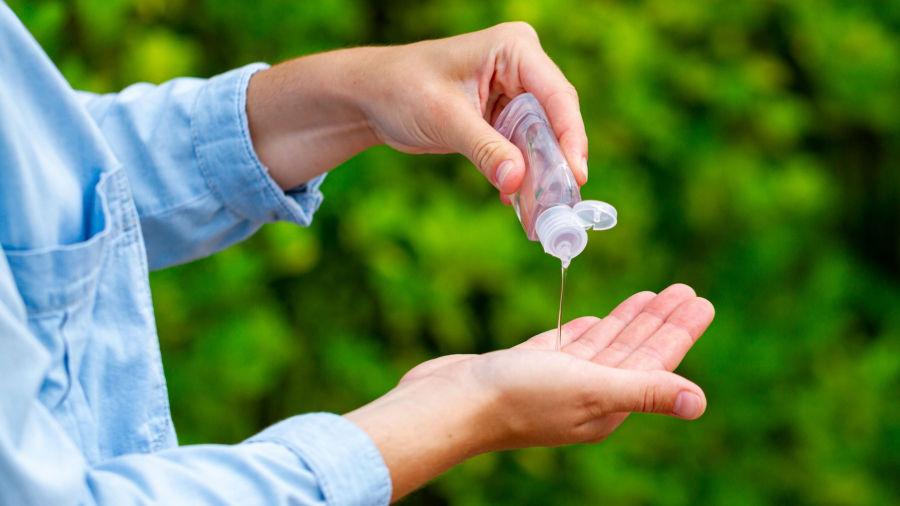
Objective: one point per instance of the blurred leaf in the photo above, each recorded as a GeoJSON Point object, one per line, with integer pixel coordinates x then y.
{"type": "Point", "coordinates": [750, 147]}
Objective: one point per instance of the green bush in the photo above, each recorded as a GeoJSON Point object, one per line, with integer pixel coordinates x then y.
{"type": "Point", "coordinates": [751, 148]}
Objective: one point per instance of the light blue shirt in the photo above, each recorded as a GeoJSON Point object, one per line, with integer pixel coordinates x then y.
{"type": "Point", "coordinates": [94, 192]}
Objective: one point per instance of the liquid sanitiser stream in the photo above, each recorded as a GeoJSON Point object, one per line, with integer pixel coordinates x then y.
{"type": "Point", "coordinates": [562, 290]}
{"type": "Point", "coordinates": [549, 204]}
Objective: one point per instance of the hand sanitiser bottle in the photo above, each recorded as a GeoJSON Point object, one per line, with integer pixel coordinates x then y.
{"type": "Point", "coordinates": [549, 202]}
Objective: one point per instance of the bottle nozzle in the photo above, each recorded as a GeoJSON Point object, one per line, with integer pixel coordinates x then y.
{"type": "Point", "coordinates": [565, 254]}
{"type": "Point", "coordinates": [561, 229]}
{"type": "Point", "coordinates": [560, 233]}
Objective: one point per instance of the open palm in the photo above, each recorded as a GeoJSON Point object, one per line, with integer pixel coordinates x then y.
{"type": "Point", "coordinates": [606, 369]}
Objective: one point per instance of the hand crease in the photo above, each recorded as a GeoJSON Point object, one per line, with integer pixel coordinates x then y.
{"type": "Point", "coordinates": [653, 354]}
{"type": "Point", "coordinates": [683, 329]}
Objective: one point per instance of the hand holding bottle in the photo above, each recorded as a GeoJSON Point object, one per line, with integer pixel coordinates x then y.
{"type": "Point", "coordinates": [308, 115]}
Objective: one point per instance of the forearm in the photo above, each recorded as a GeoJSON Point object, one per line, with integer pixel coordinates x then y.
{"type": "Point", "coordinates": [422, 429]}
{"type": "Point", "coordinates": [305, 117]}
{"type": "Point", "coordinates": [197, 186]}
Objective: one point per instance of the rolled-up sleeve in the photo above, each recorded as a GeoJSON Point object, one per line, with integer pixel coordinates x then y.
{"type": "Point", "coordinates": [349, 468]}
{"type": "Point", "coordinates": [315, 459]}
{"type": "Point", "coordinates": [197, 182]}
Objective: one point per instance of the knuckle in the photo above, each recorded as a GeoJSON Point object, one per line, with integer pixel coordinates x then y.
{"type": "Point", "coordinates": [652, 400]}
{"type": "Point", "coordinates": [565, 92]}
{"type": "Point", "coordinates": [593, 406]}
{"type": "Point", "coordinates": [565, 95]}
{"type": "Point", "coordinates": [521, 29]}
{"type": "Point", "coordinates": [486, 149]}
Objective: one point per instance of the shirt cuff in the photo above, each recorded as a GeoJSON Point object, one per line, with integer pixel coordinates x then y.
{"type": "Point", "coordinates": [221, 136]}
{"type": "Point", "coordinates": [345, 461]}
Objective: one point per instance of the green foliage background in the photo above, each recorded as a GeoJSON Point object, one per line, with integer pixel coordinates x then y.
{"type": "Point", "coordinates": [751, 148]}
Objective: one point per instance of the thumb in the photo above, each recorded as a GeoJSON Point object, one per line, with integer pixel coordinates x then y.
{"type": "Point", "coordinates": [499, 160]}
{"type": "Point", "coordinates": [659, 392]}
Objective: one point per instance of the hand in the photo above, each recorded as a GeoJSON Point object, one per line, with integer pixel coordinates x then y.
{"type": "Point", "coordinates": [437, 96]}
{"type": "Point", "coordinates": [455, 407]}
{"type": "Point", "coordinates": [443, 96]}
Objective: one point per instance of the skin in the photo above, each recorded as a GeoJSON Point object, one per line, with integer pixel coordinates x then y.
{"type": "Point", "coordinates": [311, 114]}
{"type": "Point", "coordinates": [452, 408]}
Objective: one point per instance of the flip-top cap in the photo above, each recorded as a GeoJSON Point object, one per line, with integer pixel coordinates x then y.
{"type": "Point", "coordinates": [593, 214]}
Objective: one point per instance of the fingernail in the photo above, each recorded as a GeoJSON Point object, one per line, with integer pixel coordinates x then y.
{"type": "Point", "coordinates": [584, 168]}
{"type": "Point", "coordinates": [687, 405]}
{"type": "Point", "coordinates": [503, 171]}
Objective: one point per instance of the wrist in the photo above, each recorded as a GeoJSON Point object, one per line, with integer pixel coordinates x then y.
{"type": "Point", "coordinates": [305, 116]}
{"type": "Point", "coordinates": [424, 427]}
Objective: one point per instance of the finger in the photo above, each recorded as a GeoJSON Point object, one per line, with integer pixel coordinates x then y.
{"type": "Point", "coordinates": [605, 332]}
{"type": "Point", "coordinates": [667, 346]}
{"type": "Point", "coordinates": [498, 159]}
{"type": "Point", "coordinates": [570, 331]}
{"type": "Point", "coordinates": [644, 325]}
{"type": "Point", "coordinates": [494, 108]}
{"type": "Point", "coordinates": [543, 79]}
{"type": "Point", "coordinates": [426, 368]}
{"type": "Point", "coordinates": [659, 392]}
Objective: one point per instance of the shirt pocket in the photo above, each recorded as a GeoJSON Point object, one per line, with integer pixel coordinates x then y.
{"type": "Point", "coordinates": [57, 283]}
{"type": "Point", "coordinates": [79, 297]}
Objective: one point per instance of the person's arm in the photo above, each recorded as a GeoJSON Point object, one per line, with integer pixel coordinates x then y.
{"type": "Point", "coordinates": [210, 161]}
{"type": "Point", "coordinates": [443, 412]}
{"type": "Point", "coordinates": [456, 407]}
{"type": "Point", "coordinates": [306, 460]}
{"type": "Point", "coordinates": [310, 114]}
{"type": "Point", "coordinates": [195, 177]}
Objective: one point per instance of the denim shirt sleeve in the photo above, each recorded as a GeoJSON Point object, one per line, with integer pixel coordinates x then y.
{"type": "Point", "coordinates": [306, 460]}
{"type": "Point", "coordinates": [197, 182]}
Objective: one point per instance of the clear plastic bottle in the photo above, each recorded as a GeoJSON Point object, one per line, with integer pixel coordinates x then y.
{"type": "Point", "coordinates": [549, 204]}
